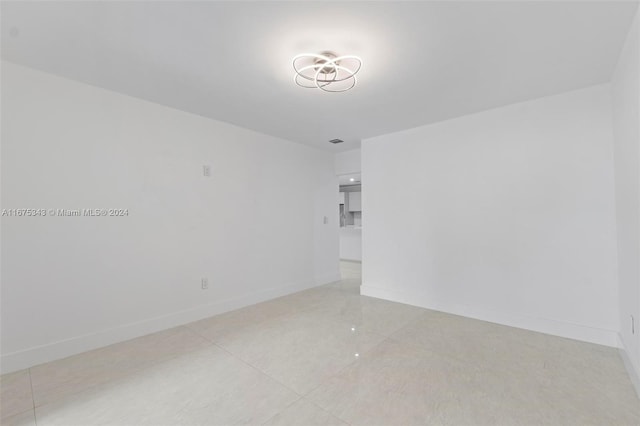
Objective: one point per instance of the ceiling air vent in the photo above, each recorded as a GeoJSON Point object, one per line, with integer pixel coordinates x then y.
{"type": "Point", "coordinates": [334, 141]}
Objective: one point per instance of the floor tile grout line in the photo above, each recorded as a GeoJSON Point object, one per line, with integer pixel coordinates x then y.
{"type": "Point", "coordinates": [384, 338]}
{"type": "Point", "coordinates": [33, 398]}
{"type": "Point", "coordinates": [282, 411]}
{"type": "Point", "coordinates": [234, 356]}
{"type": "Point", "coordinates": [31, 386]}
{"type": "Point", "coordinates": [196, 332]}
{"type": "Point", "coordinates": [257, 369]}
{"type": "Point", "coordinates": [326, 411]}
{"type": "Point", "coordinates": [266, 375]}
{"type": "Point", "coordinates": [345, 367]}
{"type": "Point", "coordinates": [305, 396]}
{"type": "Point", "coordinates": [214, 343]}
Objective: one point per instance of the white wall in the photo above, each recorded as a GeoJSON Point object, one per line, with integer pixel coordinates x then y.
{"type": "Point", "coordinates": [506, 215]}
{"type": "Point", "coordinates": [351, 243]}
{"type": "Point", "coordinates": [347, 162]}
{"type": "Point", "coordinates": [626, 125]}
{"type": "Point", "coordinates": [74, 283]}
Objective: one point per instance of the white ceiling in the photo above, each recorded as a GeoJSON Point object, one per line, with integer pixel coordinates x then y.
{"type": "Point", "coordinates": [422, 61]}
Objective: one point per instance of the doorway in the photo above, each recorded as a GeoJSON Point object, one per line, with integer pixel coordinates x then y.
{"type": "Point", "coordinates": [350, 210]}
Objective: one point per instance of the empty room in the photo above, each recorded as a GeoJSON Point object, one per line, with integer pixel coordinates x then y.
{"type": "Point", "coordinates": [320, 213]}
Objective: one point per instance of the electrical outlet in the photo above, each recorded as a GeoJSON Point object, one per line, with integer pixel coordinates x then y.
{"type": "Point", "coordinates": [205, 283]}
{"type": "Point", "coordinates": [206, 170]}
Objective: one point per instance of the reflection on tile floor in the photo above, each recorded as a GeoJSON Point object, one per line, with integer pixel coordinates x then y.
{"type": "Point", "coordinates": [328, 356]}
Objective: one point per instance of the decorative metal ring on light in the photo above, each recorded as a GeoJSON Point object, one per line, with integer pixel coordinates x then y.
{"type": "Point", "coordinates": [325, 70]}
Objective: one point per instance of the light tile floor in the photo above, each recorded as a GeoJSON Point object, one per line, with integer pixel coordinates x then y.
{"type": "Point", "coordinates": [329, 356]}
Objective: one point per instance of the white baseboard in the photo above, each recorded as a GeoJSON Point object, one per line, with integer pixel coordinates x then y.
{"type": "Point", "coordinates": [633, 372]}
{"type": "Point", "coordinates": [542, 325]}
{"type": "Point", "coordinates": [41, 354]}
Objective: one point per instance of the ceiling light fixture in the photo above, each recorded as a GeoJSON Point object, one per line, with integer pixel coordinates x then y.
{"type": "Point", "coordinates": [326, 71]}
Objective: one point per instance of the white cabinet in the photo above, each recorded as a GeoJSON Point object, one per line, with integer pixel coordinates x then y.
{"type": "Point", "coordinates": [341, 199]}
{"type": "Point", "coordinates": [355, 201]}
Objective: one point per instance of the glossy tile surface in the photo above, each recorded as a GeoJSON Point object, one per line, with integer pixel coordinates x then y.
{"type": "Point", "coordinates": [214, 327]}
{"type": "Point", "coordinates": [328, 356]}
{"type": "Point", "coordinates": [76, 373]}
{"type": "Point", "coordinates": [15, 394]}
{"type": "Point", "coordinates": [303, 412]}
{"type": "Point", "coordinates": [405, 384]}
{"type": "Point", "coordinates": [397, 384]}
{"type": "Point", "coordinates": [205, 387]}
{"type": "Point", "coordinates": [27, 418]}
{"type": "Point", "coordinates": [365, 313]}
{"type": "Point", "coordinates": [297, 351]}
